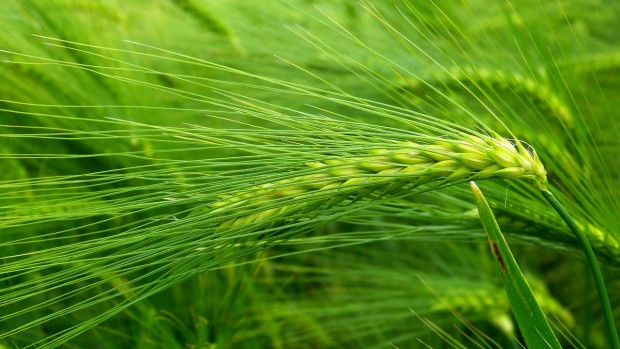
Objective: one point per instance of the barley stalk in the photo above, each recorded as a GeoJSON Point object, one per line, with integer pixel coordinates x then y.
{"type": "Point", "coordinates": [412, 165]}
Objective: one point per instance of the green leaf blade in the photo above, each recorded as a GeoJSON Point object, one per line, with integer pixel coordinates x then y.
{"type": "Point", "coordinates": [531, 320]}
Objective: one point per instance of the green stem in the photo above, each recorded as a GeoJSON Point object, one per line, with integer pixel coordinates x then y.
{"type": "Point", "coordinates": [594, 267]}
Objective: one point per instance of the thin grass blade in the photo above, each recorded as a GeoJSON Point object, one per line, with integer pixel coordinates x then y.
{"type": "Point", "coordinates": [531, 320]}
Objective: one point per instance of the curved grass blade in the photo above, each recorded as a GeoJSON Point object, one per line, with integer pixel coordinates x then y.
{"type": "Point", "coordinates": [531, 320]}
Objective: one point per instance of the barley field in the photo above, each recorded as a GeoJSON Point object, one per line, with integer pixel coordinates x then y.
{"type": "Point", "coordinates": [210, 174]}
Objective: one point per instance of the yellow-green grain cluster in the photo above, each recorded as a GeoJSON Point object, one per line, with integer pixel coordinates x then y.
{"type": "Point", "coordinates": [389, 170]}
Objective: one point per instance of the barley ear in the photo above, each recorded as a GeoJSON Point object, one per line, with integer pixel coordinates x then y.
{"type": "Point", "coordinates": [384, 172]}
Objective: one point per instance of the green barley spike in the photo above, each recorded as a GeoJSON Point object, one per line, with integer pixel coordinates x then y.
{"type": "Point", "coordinates": [332, 181]}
